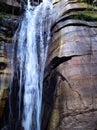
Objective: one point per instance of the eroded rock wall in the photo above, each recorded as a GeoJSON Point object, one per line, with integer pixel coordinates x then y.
{"type": "Point", "coordinates": [70, 82]}
{"type": "Point", "coordinates": [8, 25]}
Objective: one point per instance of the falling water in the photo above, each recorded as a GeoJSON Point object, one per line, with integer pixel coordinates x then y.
{"type": "Point", "coordinates": [32, 42]}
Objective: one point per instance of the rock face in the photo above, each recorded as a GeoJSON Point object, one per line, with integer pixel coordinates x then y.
{"type": "Point", "coordinates": [10, 2]}
{"type": "Point", "coordinates": [70, 82]}
{"type": "Point", "coordinates": [8, 24]}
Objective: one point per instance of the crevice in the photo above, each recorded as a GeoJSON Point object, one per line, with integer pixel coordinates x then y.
{"type": "Point", "coordinates": [54, 63]}
{"type": "Point", "coordinates": [58, 60]}
{"type": "Point", "coordinates": [80, 113]}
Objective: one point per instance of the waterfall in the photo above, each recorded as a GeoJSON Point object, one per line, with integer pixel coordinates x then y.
{"type": "Point", "coordinates": [31, 38]}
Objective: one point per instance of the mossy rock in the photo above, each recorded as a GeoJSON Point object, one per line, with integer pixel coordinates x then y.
{"type": "Point", "coordinates": [85, 15]}
{"type": "Point", "coordinates": [4, 15]}
{"type": "Point", "coordinates": [86, 1]}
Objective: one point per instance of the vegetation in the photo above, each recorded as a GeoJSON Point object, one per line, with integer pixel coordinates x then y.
{"type": "Point", "coordinates": [85, 15]}
{"type": "Point", "coordinates": [88, 6]}
{"type": "Point", "coordinates": [4, 15]}
{"type": "Point", "coordinates": [86, 1]}
{"type": "Point", "coordinates": [89, 14]}
{"type": "Point", "coordinates": [1, 16]}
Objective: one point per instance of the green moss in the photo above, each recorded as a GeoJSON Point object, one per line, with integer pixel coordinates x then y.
{"type": "Point", "coordinates": [83, 4]}
{"type": "Point", "coordinates": [88, 6]}
{"type": "Point", "coordinates": [89, 14]}
{"type": "Point", "coordinates": [1, 16]}
{"type": "Point", "coordinates": [86, 1]}
{"type": "Point", "coordinates": [4, 15]}
{"type": "Point", "coordinates": [85, 15]}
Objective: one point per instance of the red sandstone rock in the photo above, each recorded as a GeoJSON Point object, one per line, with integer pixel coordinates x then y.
{"type": "Point", "coordinates": [70, 84]}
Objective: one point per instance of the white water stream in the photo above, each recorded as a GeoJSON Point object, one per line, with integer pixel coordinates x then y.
{"type": "Point", "coordinates": [33, 37]}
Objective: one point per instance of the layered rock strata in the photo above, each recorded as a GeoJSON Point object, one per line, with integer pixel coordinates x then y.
{"type": "Point", "coordinates": [8, 25]}
{"type": "Point", "coordinates": [70, 82]}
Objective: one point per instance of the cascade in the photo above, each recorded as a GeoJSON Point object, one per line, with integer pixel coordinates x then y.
{"type": "Point", "coordinates": [30, 47]}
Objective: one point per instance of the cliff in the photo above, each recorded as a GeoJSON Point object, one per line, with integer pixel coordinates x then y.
{"type": "Point", "coordinates": [70, 79]}
{"type": "Point", "coordinates": [70, 82]}
{"type": "Point", "coordinates": [8, 24]}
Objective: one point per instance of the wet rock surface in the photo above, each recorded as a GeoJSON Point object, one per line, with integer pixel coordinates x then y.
{"type": "Point", "coordinates": [8, 25]}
